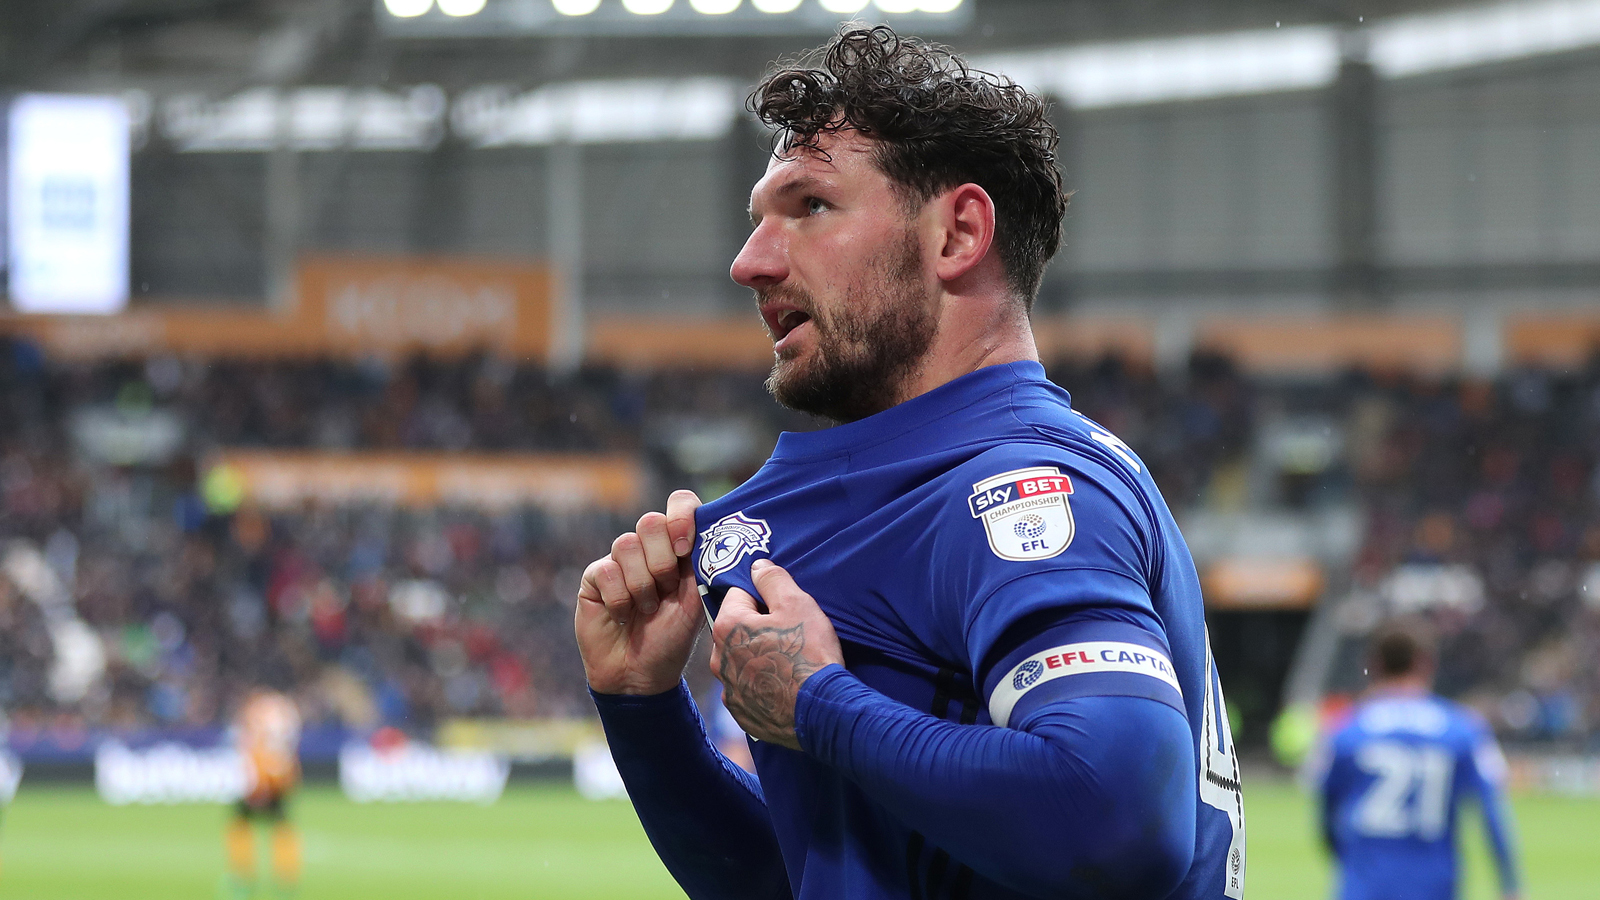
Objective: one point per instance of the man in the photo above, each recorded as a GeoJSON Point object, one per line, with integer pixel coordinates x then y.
{"type": "Point", "coordinates": [1396, 775]}
{"type": "Point", "coordinates": [980, 670]}
{"type": "Point", "coordinates": [268, 737]}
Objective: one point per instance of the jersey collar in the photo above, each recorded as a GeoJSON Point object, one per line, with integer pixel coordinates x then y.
{"type": "Point", "coordinates": [914, 413]}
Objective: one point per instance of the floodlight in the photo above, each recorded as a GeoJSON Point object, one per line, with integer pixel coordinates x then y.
{"type": "Point", "coordinates": [775, 6]}
{"type": "Point", "coordinates": [714, 7]}
{"type": "Point", "coordinates": [895, 7]}
{"type": "Point", "coordinates": [939, 6]}
{"type": "Point", "coordinates": [462, 7]}
{"type": "Point", "coordinates": [407, 9]}
{"type": "Point", "coordinates": [843, 6]}
{"type": "Point", "coordinates": [647, 7]}
{"type": "Point", "coordinates": [576, 7]}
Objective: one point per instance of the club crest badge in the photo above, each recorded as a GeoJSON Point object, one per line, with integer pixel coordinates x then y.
{"type": "Point", "coordinates": [729, 540]}
{"type": "Point", "coordinates": [1025, 512]}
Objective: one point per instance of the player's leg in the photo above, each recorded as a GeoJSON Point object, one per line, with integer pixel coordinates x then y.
{"type": "Point", "coordinates": [239, 841]}
{"type": "Point", "coordinates": [286, 853]}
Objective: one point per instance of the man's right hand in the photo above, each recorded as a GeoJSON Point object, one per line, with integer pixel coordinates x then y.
{"type": "Point", "coordinates": [638, 609]}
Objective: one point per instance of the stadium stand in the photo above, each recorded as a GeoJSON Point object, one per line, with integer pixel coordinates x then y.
{"type": "Point", "coordinates": [1478, 501]}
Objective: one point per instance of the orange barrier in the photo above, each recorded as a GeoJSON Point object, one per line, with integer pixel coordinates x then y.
{"type": "Point", "coordinates": [1567, 341]}
{"type": "Point", "coordinates": [732, 342]}
{"type": "Point", "coordinates": [741, 341]}
{"type": "Point", "coordinates": [277, 479]}
{"type": "Point", "coordinates": [1092, 337]}
{"type": "Point", "coordinates": [1249, 584]}
{"type": "Point", "coordinates": [1328, 344]}
{"type": "Point", "coordinates": [345, 306]}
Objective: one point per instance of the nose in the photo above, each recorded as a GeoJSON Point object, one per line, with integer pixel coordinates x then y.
{"type": "Point", "coordinates": [764, 260]}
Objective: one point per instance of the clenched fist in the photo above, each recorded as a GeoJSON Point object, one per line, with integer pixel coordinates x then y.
{"type": "Point", "coordinates": [638, 609]}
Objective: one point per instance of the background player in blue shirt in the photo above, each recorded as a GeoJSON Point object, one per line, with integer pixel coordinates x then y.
{"type": "Point", "coordinates": [1396, 775]}
{"type": "Point", "coordinates": [960, 626]}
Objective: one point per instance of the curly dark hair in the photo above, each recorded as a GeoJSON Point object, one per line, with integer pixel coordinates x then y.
{"type": "Point", "coordinates": [939, 124]}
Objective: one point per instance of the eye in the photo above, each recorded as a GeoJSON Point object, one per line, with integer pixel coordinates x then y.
{"type": "Point", "coordinates": [814, 206]}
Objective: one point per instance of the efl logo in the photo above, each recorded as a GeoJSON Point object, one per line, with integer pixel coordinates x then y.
{"type": "Point", "coordinates": [1025, 512]}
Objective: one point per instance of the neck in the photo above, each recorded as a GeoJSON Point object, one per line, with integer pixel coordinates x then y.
{"type": "Point", "coordinates": [1402, 684]}
{"type": "Point", "coordinates": [967, 343]}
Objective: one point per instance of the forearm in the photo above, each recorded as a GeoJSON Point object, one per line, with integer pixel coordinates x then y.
{"type": "Point", "coordinates": [1325, 820]}
{"type": "Point", "coordinates": [1097, 785]}
{"type": "Point", "coordinates": [704, 815]}
{"type": "Point", "coordinates": [1497, 822]}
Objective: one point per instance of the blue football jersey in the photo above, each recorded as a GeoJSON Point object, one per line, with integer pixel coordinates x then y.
{"type": "Point", "coordinates": [936, 536]}
{"type": "Point", "coordinates": [1395, 777]}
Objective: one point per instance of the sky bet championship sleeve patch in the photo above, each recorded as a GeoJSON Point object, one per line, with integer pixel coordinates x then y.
{"type": "Point", "coordinates": [1025, 512]}
{"type": "Point", "coordinates": [1087, 658]}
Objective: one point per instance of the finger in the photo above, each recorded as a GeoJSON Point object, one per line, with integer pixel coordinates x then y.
{"type": "Point", "coordinates": [737, 604]}
{"type": "Point", "coordinates": [628, 553]}
{"type": "Point", "coordinates": [659, 559]}
{"type": "Point", "coordinates": [614, 591]}
{"type": "Point", "coordinates": [590, 606]}
{"type": "Point", "coordinates": [680, 520]}
{"type": "Point", "coordinates": [589, 584]}
{"type": "Point", "coordinates": [774, 583]}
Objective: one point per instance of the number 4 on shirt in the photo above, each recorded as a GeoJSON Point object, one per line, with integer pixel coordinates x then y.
{"type": "Point", "coordinates": [1219, 774]}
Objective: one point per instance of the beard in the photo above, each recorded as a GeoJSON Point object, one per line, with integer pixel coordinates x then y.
{"type": "Point", "coordinates": [866, 351]}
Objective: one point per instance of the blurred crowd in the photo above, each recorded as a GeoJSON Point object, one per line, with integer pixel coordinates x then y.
{"type": "Point", "coordinates": [373, 616]}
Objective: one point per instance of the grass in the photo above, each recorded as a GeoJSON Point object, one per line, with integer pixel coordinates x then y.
{"type": "Point", "coordinates": [543, 841]}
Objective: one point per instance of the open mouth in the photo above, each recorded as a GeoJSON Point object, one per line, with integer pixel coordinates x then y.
{"type": "Point", "coordinates": [782, 319]}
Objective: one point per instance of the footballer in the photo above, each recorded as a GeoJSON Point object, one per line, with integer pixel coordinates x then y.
{"type": "Point", "coordinates": [960, 625]}
{"type": "Point", "coordinates": [1394, 778]}
{"type": "Point", "coordinates": [268, 738]}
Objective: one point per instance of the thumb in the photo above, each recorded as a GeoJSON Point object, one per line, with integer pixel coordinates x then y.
{"type": "Point", "coordinates": [773, 582]}
{"type": "Point", "coordinates": [738, 602]}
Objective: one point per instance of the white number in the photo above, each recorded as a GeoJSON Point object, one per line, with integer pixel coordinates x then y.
{"type": "Point", "coordinates": [1111, 442]}
{"type": "Point", "coordinates": [1411, 795]}
{"type": "Point", "coordinates": [1219, 773]}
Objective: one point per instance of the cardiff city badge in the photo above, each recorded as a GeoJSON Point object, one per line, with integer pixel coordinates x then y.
{"type": "Point", "coordinates": [729, 540]}
{"type": "Point", "coordinates": [1025, 512]}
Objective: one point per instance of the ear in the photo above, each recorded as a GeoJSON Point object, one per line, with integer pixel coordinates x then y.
{"type": "Point", "coordinates": [965, 218]}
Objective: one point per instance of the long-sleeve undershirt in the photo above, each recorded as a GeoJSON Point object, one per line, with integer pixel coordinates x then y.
{"type": "Point", "coordinates": [1087, 793]}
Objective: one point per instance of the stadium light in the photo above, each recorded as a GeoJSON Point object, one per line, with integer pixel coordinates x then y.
{"type": "Point", "coordinates": [1459, 38]}
{"type": "Point", "coordinates": [1187, 68]}
{"type": "Point", "coordinates": [647, 7]}
{"type": "Point", "coordinates": [661, 18]}
{"type": "Point", "coordinates": [407, 9]}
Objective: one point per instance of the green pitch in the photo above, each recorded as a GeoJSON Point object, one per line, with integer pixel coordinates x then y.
{"type": "Point", "coordinates": [542, 841]}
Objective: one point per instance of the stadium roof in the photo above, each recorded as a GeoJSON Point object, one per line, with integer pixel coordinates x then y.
{"type": "Point", "coordinates": [228, 45]}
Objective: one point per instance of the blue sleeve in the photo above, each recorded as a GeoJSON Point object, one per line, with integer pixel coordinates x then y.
{"type": "Point", "coordinates": [1088, 772]}
{"type": "Point", "coordinates": [1327, 788]}
{"type": "Point", "coordinates": [1487, 771]}
{"type": "Point", "coordinates": [1077, 788]}
{"type": "Point", "coordinates": [704, 815]}
{"type": "Point", "coordinates": [1045, 532]}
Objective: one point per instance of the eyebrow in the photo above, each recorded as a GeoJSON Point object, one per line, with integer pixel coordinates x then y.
{"type": "Point", "coordinates": [799, 184]}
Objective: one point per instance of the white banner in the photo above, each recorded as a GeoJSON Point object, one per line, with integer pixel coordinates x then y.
{"type": "Point", "coordinates": [168, 773]}
{"type": "Point", "coordinates": [413, 772]}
